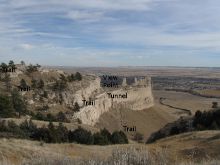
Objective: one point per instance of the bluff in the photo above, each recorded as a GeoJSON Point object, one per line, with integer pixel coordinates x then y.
{"type": "Point", "coordinates": [52, 91]}
{"type": "Point", "coordinates": [138, 97]}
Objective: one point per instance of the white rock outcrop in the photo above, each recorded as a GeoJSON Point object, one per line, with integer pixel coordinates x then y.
{"type": "Point", "coordinates": [139, 97]}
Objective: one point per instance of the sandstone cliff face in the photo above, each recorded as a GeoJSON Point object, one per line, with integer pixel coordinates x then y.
{"type": "Point", "coordinates": [139, 97]}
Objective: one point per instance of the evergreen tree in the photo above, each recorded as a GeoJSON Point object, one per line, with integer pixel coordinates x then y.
{"type": "Point", "coordinates": [78, 76]}
{"type": "Point", "coordinates": [11, 64]}
{"type": "Point", "coordinates": [61, 117]}
{"type": "Point", "coordinates": [18, 102]}
{"type": "Point", "coordinates": [22, 63]}
{"type": "Point", "coordinates": [6, 107]}
{"type": "Point", "coordinates": [99, 139]}
{"type": "Point", "coordinates": [4, 66]}
{"type": "Point", "coordinates": [23, 83]}
{"type": "Point", "coordinates": [41, 84]}
{"type": "Point", "coordinates": [33, 83]}
{"type": "Point", "coordinates": [7, 81]}
{"type": "Point", "coordinates": [119, 137]}
{"type": "Point", "coordinates": [62, 133]}
{"type": "Point", "coordinates": [76, 107]}
{"type": "Point", "coordinates": [81, 136]}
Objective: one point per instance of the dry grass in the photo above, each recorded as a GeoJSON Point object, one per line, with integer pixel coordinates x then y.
{"type": "Point", "coordinates": [209, 92]}
{"type": "Point", "coordinates": [129, 156]}
{"type": "Point", "coordinates": [197, 147]}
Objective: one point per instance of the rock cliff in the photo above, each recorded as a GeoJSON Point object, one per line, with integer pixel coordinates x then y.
{"type": "Point", "coordinates": [138, 97]}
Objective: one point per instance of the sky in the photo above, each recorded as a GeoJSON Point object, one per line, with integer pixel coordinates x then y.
{"type": "Point", "coordinates": [111, 32]}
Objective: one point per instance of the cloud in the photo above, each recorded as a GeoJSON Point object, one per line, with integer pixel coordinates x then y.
{"type": "Point", "coordinates": [85, 16]}
{"type": "Point", "coordinates": [26, 46]}
{"type": "Point", "coordinates": [90, 32]}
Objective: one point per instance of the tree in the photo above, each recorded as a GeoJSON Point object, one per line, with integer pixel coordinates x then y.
{"type": "Point", "coordinates": [214, 104]}
{"type": "Point", "coordinates": [99, 139]}
{"type": "Point", "coordinates": [119, 137]}
{"type": "Point", "coordinates": [50, 117]}
{"type": "Point", "coordinates": [33, 83]}
{"type": "Point", "coordinates": [11, 64]}
{"type": "Point", "coordinates": [62, 78]}
{"type": "Point", "coordinates": [7, 81]}
{"type": "Point", "coordinates": [6, 107]}
{"type": "Point", "coordinates": [76, 107]}
{"type": "Point", "coordinates": [23, 83]}
{"type": "Point", "coordinates": [28, 127]}
{"type": "Point", "coordinates": [45, 94]}
{"type": "Point", "coordinates": [62, 133]}
{"type": "Point", "coordinates": [61, 117]}
{"type": "Point", "coordinates": [41, 84]}
{"type": "Point", "coordinates": [78, 76]}
{"type": "Point", "coordinates": [104, 132]}
{"type": "Point", "coordinates": [18, 102]}
{"type": "Point", "coordinates": [4, 66]}
{"type": "Point", "coordinates": [81, 136]}
{"type": "Point", "coordinates": [102, 138]}
{"type": "Point", "coordinates": [22, 63]}
{"type": "Point", "coordinates": [32, 68]}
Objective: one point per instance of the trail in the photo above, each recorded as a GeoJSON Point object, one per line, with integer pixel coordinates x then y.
{"type": "Point", "coordinates": [170, 106]}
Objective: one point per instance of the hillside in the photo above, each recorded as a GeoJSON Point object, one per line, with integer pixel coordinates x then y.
{"type": "Point", "coordinates": [195, 146]}
{"type": "Point", "coordinates": [82, 98]}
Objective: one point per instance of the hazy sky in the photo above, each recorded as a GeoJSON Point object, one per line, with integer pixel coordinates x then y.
{"type": "Point", "coordinates": [111, 32]}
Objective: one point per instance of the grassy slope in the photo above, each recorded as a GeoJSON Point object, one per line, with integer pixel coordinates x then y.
{"type": "Point", "coordinates": [188, 146]}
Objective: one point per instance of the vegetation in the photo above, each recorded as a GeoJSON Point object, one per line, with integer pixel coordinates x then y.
{"type": "Point", "coordinates": [40, 84]}
{"type": "Point", "coordinates": [32, 68]}
{"type": "Point", "coordinates": [76, 77]}
{"type": "Point", "coordinates": [6, 107]}
{"type": "Point", "coordinates": [207, 120]}
{"type": "Point", "coordinates": [23, 83]}
{"type": "Point", "coordinates": [60, 117]}
{"type": "Point", "coordinates": [214, 104]}
{"type": "Point", "coordinates": [201, 121]}
{"type": "Point", "coordinates": [59, 85]}
{"type": "Point", "coordinates": [19, 104]}
{"type": "Point", "coordinates": [125, 156]}
{"type": "Point", "coordinates": [60, 134]}
{"type": "Point", "coordinates": [9, 105]}
{"type": "Point", "coordinates": [76, 107]}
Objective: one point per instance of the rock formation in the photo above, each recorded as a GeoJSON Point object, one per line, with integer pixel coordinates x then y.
{"type": "Point", "coordinates": [139, 97]}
